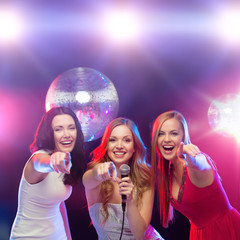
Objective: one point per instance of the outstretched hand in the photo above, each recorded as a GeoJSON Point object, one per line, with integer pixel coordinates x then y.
{"type": "Point", "coordinates": [61, 162]}
{"type": "Point", "coordinates": [189, 150]}
{"type": "Point", "coordinates": [106, 171]}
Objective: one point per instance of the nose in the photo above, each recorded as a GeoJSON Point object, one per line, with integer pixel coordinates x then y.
{"type": "Point", "coordinates": [66, 133]}
{"type": "Point", "coordinates": [119, 144]}
{"type": "Point", "coordinates": [167, 138]}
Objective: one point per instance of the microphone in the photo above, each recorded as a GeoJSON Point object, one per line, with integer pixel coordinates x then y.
{"type": "Point", "coordinates": [124, 170]}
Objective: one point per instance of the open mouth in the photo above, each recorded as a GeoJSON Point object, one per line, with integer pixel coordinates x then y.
{"type": "Point", "coordinates": [66, 143]}
{"type": "Point", "coordinates": [168, 148]}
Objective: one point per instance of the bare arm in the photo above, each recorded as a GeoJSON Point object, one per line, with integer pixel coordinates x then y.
{"type": "Point", "coordinates": [65, 220]}
{"type": "Point", "coordinates": [98, 174]}
{"type": "Point", "coordinates": [31, 173]}
{"type": "Point", "coordinates": [200, 171]}
{"type": "Point", "coordinates": [138, 218]}
{"type": "Point", "coordinates": [92, 179]}
{"type": "Point", "coordinates": [38, 167]}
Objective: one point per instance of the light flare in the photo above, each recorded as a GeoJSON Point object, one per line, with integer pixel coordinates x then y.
{"type": "Point", "coordinates": [11, 26]}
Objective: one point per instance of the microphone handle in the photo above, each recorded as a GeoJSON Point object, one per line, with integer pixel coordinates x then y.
{"type": "Point", "coordinates": [124, 197]}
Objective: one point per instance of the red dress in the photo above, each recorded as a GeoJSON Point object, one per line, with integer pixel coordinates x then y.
{"type": "Point", "coordinates": [208, 209]}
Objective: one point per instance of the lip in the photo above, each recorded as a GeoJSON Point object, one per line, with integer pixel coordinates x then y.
{"type": "Point", "coordinates": [167, 152]}
{"type": "Point", "coordinates": [119, 154]}
{"type": "Point", "coordinates": [66, 144]}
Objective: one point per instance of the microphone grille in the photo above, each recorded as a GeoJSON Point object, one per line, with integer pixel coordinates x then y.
{"type": "Point", "coordinates": [124, 169]}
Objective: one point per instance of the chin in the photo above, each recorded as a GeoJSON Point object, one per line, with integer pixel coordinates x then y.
{"type": "Point", "coordinates": [66, 149]}
{"type": "Point", "coordinates": [117, 162]}
{"type": "Point", "coordinates": [168, 157]}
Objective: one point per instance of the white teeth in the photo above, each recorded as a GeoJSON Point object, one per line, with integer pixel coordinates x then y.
{"type": "Point", "coordinates": [168, 148]}
{"type": "Point", "coordinates": [65, 143]}
{"type": "Point", "coordinates": [119, 153]}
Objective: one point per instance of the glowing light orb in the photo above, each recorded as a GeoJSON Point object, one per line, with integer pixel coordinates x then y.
{"type": "Point", "coordinates": [224, 115]}
{"type": "Point", "coordinates": [227, 24]}
{"type": "Point", "coordinates": [11, 26]}
{"type": "Point", "coordinates": [121, 25]}
{"type": "Point", "coordinates": [90, 94]}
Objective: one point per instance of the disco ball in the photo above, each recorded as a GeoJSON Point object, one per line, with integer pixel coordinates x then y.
{"type": "Point", "coordinates": [90, 94]}
{"type": "Point", "coordinates": [224, 115]}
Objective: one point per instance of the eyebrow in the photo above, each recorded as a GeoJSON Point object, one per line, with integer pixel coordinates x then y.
{"type": "Point", "coordinates": [174, 130]}
{"type": "Point", "coordinates": [123, 136]}
{"type": "Point", "coordinates": [70, 125]}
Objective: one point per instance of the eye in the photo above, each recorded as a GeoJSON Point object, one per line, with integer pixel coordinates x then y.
{"type": "Point", "coordinates": [128, 140]}
{"type": "Point", "coordinates": [160, 134]}
{"type": "Point", "coordinates": [112, 139]}
{"type": "Point", "coordinates": [174, 133]}
{"type": "Point", "coordinates": [57, 129]}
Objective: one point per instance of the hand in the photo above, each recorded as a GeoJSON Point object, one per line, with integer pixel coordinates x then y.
{"type": "Point", "coordinates": [106, 171]}
{"type": "Point", "coordinates": [61, 162]}
{"type": "Point", "coordinates": [126, 187]}
{"type": "Point", "coordinates": [190, 150]}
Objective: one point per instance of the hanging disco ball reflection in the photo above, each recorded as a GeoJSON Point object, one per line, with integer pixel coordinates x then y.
{"type": "Point", "coordinates": [90, 94]}
{"type": "Point", "coordinates": [224, 115]}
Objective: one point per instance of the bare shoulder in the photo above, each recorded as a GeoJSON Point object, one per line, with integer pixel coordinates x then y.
{"type": "Point", "coordinates": [30, 174]}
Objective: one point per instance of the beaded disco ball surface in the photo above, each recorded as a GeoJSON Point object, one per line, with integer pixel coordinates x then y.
{"type": "Point", "coordinates": [90, 94]}
{"type": "Point", "coordinates": [224, 115]}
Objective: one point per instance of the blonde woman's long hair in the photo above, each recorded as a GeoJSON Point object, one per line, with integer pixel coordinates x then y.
{"type": "Point", "coordinates": [140, 172]}
{"type": "Point", "coordinates": [161, 166]}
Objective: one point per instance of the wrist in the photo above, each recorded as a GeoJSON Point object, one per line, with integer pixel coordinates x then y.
{"type": "Point", "coordinates": [51, 164]}
{"type": "Point", "coordinates": [96, 176]}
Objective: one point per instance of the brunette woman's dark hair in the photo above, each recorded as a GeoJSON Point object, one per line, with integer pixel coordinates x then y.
{"type": "Point", "coordinates": [44, 139]}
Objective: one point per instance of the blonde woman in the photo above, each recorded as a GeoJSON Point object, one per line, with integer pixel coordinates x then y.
{"type": "Point", "coordinates": [121, 144]}
{"type": "Point", "coordinates": [188, 182]}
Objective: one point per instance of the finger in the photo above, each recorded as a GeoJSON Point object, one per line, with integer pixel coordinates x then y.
{"type": "Point", "coordinates": [98, 176]}
{"type": "Point", "coordinates": [61, 162]}
{"type": "Point", "coordinates": [197, 150]}
{"type": "Point", "coordinates": [125, 179]}
{"type": "Point", "coordinates": [101, 172]}
{"type": "Point", "coordinates": [118, 180]}
{"type": "Point", "coordinates": [67, 162]}
{"type": "Point", "coordinates": [126, 190]}
{"type": "Point", "coordinates": [180, 150]}
{"type": "Point", "coordinates": [193, 150]}
{"type": "Point", "coordinates": [68, 156]}
{"type": "Point", "coordinates": [62, 166]}
{"type": "Point", "coordinates": [69, 166]}
{"type": "Point", "coordinates": [65, 169]}
{"type": "Point", "coordinates": [114, 175]}
{"type": "Point", "coordinates": [53, 163]}
{"type": "Point", "coordinates": [112, 171]}
{"type": "Point", "coordinates": [111, 166]}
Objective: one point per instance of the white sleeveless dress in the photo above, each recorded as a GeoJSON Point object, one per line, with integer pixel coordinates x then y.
{"type": "Point", "coordinates": [111, 229]}
{"type": "Point", "coordinates": [38, 214]}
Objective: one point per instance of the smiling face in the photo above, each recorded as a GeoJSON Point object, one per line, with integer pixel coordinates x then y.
{"type": "Point", "coordinates": [120, 145]}
{"type": "Point", "coordinates": [64, 132]}
{"type": "Point", "coordinates": [169, 137]}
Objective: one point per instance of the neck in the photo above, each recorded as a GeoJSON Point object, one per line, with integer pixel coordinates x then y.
{"type": "Point", "coordinates": [177, 166]}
